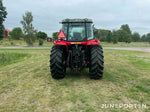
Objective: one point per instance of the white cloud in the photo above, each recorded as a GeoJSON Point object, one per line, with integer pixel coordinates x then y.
{"type": "Point", "coordinates": [108, 14]}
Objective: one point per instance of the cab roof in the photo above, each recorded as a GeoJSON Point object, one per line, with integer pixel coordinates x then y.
{"type": "Point", "coordinates": [86, 20]}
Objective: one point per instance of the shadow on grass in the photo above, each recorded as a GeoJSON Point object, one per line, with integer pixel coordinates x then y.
{"type": "Point", "coordinates": [71, 76]}
{"type": "Point", "coordinates": [84, 74]}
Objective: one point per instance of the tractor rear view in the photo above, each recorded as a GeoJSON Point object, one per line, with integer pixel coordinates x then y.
{"type": "Point", "coordinates": [76, 48]}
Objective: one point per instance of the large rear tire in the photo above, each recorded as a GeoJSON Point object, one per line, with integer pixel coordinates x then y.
{"type": "Point", "coordinates": [96, 62]}
{"type": "Point", "coordinates": [57, 66]}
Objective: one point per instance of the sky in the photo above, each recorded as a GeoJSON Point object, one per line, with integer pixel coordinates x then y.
{"type": "Point", "coordinates": [106, 14]}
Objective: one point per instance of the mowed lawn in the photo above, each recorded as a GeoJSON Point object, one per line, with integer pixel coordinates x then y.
{"type": "Point", "coordinates": [27, 86]}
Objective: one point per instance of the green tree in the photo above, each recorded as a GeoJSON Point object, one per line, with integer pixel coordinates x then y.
{"type": "Point", "coordinates": [120, 35]}
{"type": "Point", "coordinates": [41, 35]}
{"type": "Point", "coordinates": [29, 32]}
{"type": "Point", "coordinates": [40, 42]}
{"type": "Point", "coordinates": [143, 38]}
{"type": "Point", "coordinates": [135, 37]}
{"type": "Point", "coordinates": [16, 33]}
{"type": "Point", "coordinates": [126, 28]}
{"type": "Point", "coordinates": [3, 14]}
{"type": "Point", "coordinates": [148, 37]}
{"type": "Point", "coordinates": [109, 37]}
{"type": "Point", "coordinates": [123, 36]}
{"type": "Point", "coordinates": [114, 37]}
{"type": "Point", "coordinates": [55, 35]}
{"type": "Point", "coordinates": [128, 38]}
{"type": "Point", "coordinates": [102, 34]}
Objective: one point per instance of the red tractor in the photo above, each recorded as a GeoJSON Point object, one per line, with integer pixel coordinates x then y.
{"type": "Point", "coordinates": [76, 48]}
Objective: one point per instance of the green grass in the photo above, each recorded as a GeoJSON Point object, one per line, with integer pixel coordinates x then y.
{"type": "Point", "coordinates": [123, 44]}
{"type": "Point", "coordinates": [6, 43]}
{"type": "Point", "coordinates": [45, 44]}
{"type": "Point", "coordinates": [7, 58]}
{"type": "Point", "coordinates": [27, 86]}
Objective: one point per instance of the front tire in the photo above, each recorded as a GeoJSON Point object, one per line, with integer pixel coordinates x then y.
{"type": "Point", "coordinates": [96, 62]}
{"type": "Point", "coordinates": [57, 66]}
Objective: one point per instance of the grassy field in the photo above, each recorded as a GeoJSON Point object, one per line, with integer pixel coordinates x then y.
{"type": "Point", "coordinates": [8, 58]}
{"type": "Point", "coordinates": [123, 44]}
{"type": "Point", "coordinates": [6, 43]}
{"type": "Point", "coordinates": [27, 86]}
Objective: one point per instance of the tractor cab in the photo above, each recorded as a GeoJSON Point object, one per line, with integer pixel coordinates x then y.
{"type": "Point", "coordinates": [76, 48]}
{"type": "Point", "coordinates": [77, 30]}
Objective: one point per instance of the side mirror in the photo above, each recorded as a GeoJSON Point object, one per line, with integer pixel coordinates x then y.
{"type": "Point", "coordinates": [95, 31]}
{"type": "Point", "coordinates": [61, 34]}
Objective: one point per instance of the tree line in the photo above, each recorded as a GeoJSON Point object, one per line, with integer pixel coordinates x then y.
{"type": "Point", "coordinates": [124, 34]}
{"type": "Point", "coordinates": [29, 34]}
{"type": "Point", "coordinates": [17, 33]}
